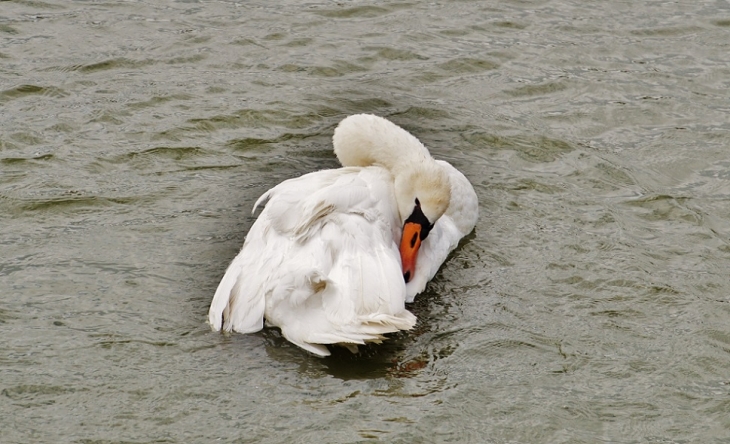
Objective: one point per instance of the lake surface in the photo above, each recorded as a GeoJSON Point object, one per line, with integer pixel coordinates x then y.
{"type": "Point", "coordinates": [591, 303]}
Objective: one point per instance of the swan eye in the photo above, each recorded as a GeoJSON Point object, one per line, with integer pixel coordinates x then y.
{"type": "Point", "coordinates": [419, 218]}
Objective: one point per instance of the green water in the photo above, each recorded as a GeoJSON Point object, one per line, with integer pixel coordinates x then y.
{"type": "Point", "coordinates": [591, 303]}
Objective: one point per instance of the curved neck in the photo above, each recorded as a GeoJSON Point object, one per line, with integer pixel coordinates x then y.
{"type": "Point", "coordinates": [366, 140]}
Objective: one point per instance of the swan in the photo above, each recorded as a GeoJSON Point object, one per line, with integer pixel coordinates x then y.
{"type": "Point", "coordinates": [335, 254]}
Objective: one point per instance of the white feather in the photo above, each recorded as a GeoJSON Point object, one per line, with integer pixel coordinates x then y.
{"type": "Point", "coordinates": [322, 262]}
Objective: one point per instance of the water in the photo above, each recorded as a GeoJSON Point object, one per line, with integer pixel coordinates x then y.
{"type": "Point", "coordinates": [591, 303]}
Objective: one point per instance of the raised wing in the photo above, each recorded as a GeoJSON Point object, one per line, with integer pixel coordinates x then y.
{"type": "Point", "coordinates": [321, 262]}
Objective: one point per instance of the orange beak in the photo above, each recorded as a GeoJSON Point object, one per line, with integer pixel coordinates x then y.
{"type": "Point", "coordinates": [409, 244]}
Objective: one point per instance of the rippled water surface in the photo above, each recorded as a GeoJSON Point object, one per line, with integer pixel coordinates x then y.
{"type": "Point", "coordinates": [591, 303]}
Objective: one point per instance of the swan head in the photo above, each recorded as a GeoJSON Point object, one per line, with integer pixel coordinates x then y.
{"type": "Point", "coordinates": [422, 186]}
{"type": "Point", "coordinates": [423, 194]}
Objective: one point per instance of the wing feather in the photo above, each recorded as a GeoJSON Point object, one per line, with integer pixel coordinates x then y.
{"type": "Point", "coordinates": [320, 262]}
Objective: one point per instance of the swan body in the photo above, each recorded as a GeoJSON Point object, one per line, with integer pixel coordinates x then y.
{"type": "Point", "coordinates": [322, 261]}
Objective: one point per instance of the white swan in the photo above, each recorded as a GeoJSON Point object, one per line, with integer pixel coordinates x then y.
{"type": "Point", "coordinates": [322, 261]}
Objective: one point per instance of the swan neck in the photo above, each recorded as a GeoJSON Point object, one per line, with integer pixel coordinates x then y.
{"type": "Point", "coordinates": [367, 140]}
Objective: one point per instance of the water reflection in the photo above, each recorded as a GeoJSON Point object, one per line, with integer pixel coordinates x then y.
{"type": "Point", "coordinates": [393, 358]}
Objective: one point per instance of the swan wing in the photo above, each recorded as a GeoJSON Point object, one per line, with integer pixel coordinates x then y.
{"type": "Point", "coordinates": [290, 208]}
{"type": "Point", "coordinates": [320, 262]}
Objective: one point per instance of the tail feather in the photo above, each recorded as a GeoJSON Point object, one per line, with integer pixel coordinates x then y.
{"type": "Point", "coordinates": [245, 311]}
{"type": "Point", "coordinates": [317, 349]}
{"type": "Point", "coordinates": [236, 305]}
{"type": "Point", "coordinates": [368, 329]}
{"type": "Point", "coordinates": [219, 306]}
